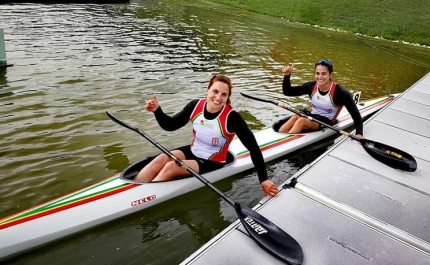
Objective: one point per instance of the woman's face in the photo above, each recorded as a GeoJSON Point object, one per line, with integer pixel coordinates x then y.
{"type": "Point", "coordinates": [322, 75]}
{"type": "Point", "coordinates": [217, 96]}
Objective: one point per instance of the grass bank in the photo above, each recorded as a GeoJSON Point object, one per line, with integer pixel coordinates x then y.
{"type": "Point", "coordinates": [400, 20]}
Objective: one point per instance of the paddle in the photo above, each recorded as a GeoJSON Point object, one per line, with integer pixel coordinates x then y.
{"type": "Point", "coordinates": [386, 154]}
{"type": "Point", "coordinates": [263, 231]}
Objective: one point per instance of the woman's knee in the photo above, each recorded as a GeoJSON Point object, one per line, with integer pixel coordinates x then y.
{"type": "Point", "coordinates": [302, 121]}
{"type": "Point", "coordinates": [170, 170]}
{"type": "Point", "coordinates": [164, 159]}
{"type": "Point", "coordinates": [307, 124]}
{"type": "Point", "coordinates": [161, 158]}
{"type": "Point", "coordinates": [295, 117]}
{"type": "Point", "coordinates": [171, 166]}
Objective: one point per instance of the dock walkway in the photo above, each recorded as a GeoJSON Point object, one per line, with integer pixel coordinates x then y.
{"type": "Point", "coordinates": [347, 207]}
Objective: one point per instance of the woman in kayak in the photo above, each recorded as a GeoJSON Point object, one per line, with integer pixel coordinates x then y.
{"type": "Point", "coordinates": [327, 100]}
{"type": "Point", "coordinates": [215, 124]}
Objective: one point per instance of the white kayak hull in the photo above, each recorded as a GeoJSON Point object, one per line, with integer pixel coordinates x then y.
{"type": "Point", "coordinates": [115, 196]}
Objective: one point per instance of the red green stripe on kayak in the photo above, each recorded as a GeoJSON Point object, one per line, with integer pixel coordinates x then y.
{"type": "Point", "coordinates": [58, 206]}
{"type": "Point", "coordinates": [374, 105]}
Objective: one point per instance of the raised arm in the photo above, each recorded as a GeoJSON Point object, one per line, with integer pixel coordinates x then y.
{"type": "Point", "coordinates": [175, 122]}
{"type": "Point", "coordinates": [288, 89]}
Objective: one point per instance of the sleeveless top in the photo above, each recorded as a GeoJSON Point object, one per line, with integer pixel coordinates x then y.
{"type": "Point", "coordinates": [211, 138]}
{"type": "Point", "coordinates": [323, 104]}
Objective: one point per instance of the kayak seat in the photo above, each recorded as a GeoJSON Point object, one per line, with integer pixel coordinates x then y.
{"type": "Point", "coordinates": [277, 125]}
{"type": "Point", "coordinates": [230, 158]}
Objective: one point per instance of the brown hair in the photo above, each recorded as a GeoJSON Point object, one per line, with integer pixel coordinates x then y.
{"type": "Point", "coordinates": [224, 79]}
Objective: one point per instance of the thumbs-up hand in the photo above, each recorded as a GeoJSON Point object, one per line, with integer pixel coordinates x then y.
{"type": "Point", "coordinates": [287, 70]}
{"type": "Point", "coordinates": [152, 104]}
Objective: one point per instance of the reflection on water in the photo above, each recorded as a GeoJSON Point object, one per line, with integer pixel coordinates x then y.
{"type": "Point", "coordinates": [201, 220]}
{"type": "Point", "coordinates": [74, 62]}
{"type": "Point", "coordinates": [116, 158]}
{"type": "Point", "coordinates": [7, 94]}
{"type": "Point", "coordinates": [3, 80]}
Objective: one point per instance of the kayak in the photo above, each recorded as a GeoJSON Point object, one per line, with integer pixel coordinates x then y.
{"type": "Point", "coordinates": [120, 195]}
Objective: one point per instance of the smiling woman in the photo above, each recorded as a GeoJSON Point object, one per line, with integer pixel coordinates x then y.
{"type": "Point", "coordinates": [327, 98]}
{"type": "Point", "coordinates": [263, 231]}
{"type": "Point", "coordinates": [215, 124]}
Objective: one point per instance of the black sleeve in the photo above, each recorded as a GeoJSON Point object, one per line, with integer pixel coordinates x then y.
{"type": "Point", "coordinates": [289, 90]}
{"type": "Point", "coordinates": [178, 120]}
{"type": "Point", "coordinates": [237, 124]}
{"type": "Point", "coordinates": [342, 97]}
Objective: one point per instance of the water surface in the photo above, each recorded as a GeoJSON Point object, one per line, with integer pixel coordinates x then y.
{"type": "Point", "coordinates": [72, 62]}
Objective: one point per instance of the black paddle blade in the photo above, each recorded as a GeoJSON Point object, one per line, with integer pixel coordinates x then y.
{"type": "Point", "coordinates": [390, 156]}
{"type": "Point", "coordinates": [270, 236]}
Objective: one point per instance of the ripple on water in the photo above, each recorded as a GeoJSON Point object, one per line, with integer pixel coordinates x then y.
{"type": "Point", "coordinates": [74, 62]}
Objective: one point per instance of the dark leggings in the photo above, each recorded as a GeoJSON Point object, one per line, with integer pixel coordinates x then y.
{"type": "Point", "coordinates": [204, 164]}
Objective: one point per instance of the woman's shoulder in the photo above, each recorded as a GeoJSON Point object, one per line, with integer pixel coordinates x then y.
{"type": "Point", "coordinates": [189, 108]}
{"type": "Point", "coordinates": [340, 89]}
{"type": "Point", "coordinates": [339, 85]}
{"type": "Point", "coordinates": [309, 84]}
{"type": "Point", "coordinates": [233, 114]}
{"type": "Point", "coordinates": [193, 103]}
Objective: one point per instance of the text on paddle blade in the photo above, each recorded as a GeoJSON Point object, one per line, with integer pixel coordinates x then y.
{"type": "Point", "coordinates": [393, 154]}
{"type": "Point", "coordinates": [254, 225]}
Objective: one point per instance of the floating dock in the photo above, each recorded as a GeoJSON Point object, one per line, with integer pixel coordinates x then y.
{"type": "Point", "coordinates": [346, 207]}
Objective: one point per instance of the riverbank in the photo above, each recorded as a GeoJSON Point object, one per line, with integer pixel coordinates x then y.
{"type": "Point", "coordinates": [66, 1]}
{"type": "Point", "coordinates": [394, 20]}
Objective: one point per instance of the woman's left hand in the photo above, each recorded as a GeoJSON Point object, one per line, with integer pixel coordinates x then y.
{"type": "Point", "coordinates": [269, 188]}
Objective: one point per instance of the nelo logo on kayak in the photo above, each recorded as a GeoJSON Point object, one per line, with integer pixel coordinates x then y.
{"type": "Point", "coordinates": [143, 200]}
{"type": "Point", "coordinates": [254, 225]}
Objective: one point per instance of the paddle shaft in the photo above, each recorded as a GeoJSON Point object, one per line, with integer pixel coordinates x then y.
{"type": "Point", "coordinates": [263, 231]}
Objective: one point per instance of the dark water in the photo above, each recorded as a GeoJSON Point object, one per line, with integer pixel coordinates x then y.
{"type": "Point", "coordinates": [73, 62]}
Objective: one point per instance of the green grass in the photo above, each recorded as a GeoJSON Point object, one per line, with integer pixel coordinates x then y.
{"type": "Point", "coordinates": [400, 20]}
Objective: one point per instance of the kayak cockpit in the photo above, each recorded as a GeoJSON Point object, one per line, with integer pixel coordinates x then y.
{"type": "Point", "coordinates": [130, 172]}
{"type": "Point", "coordinates": [277, 125]}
